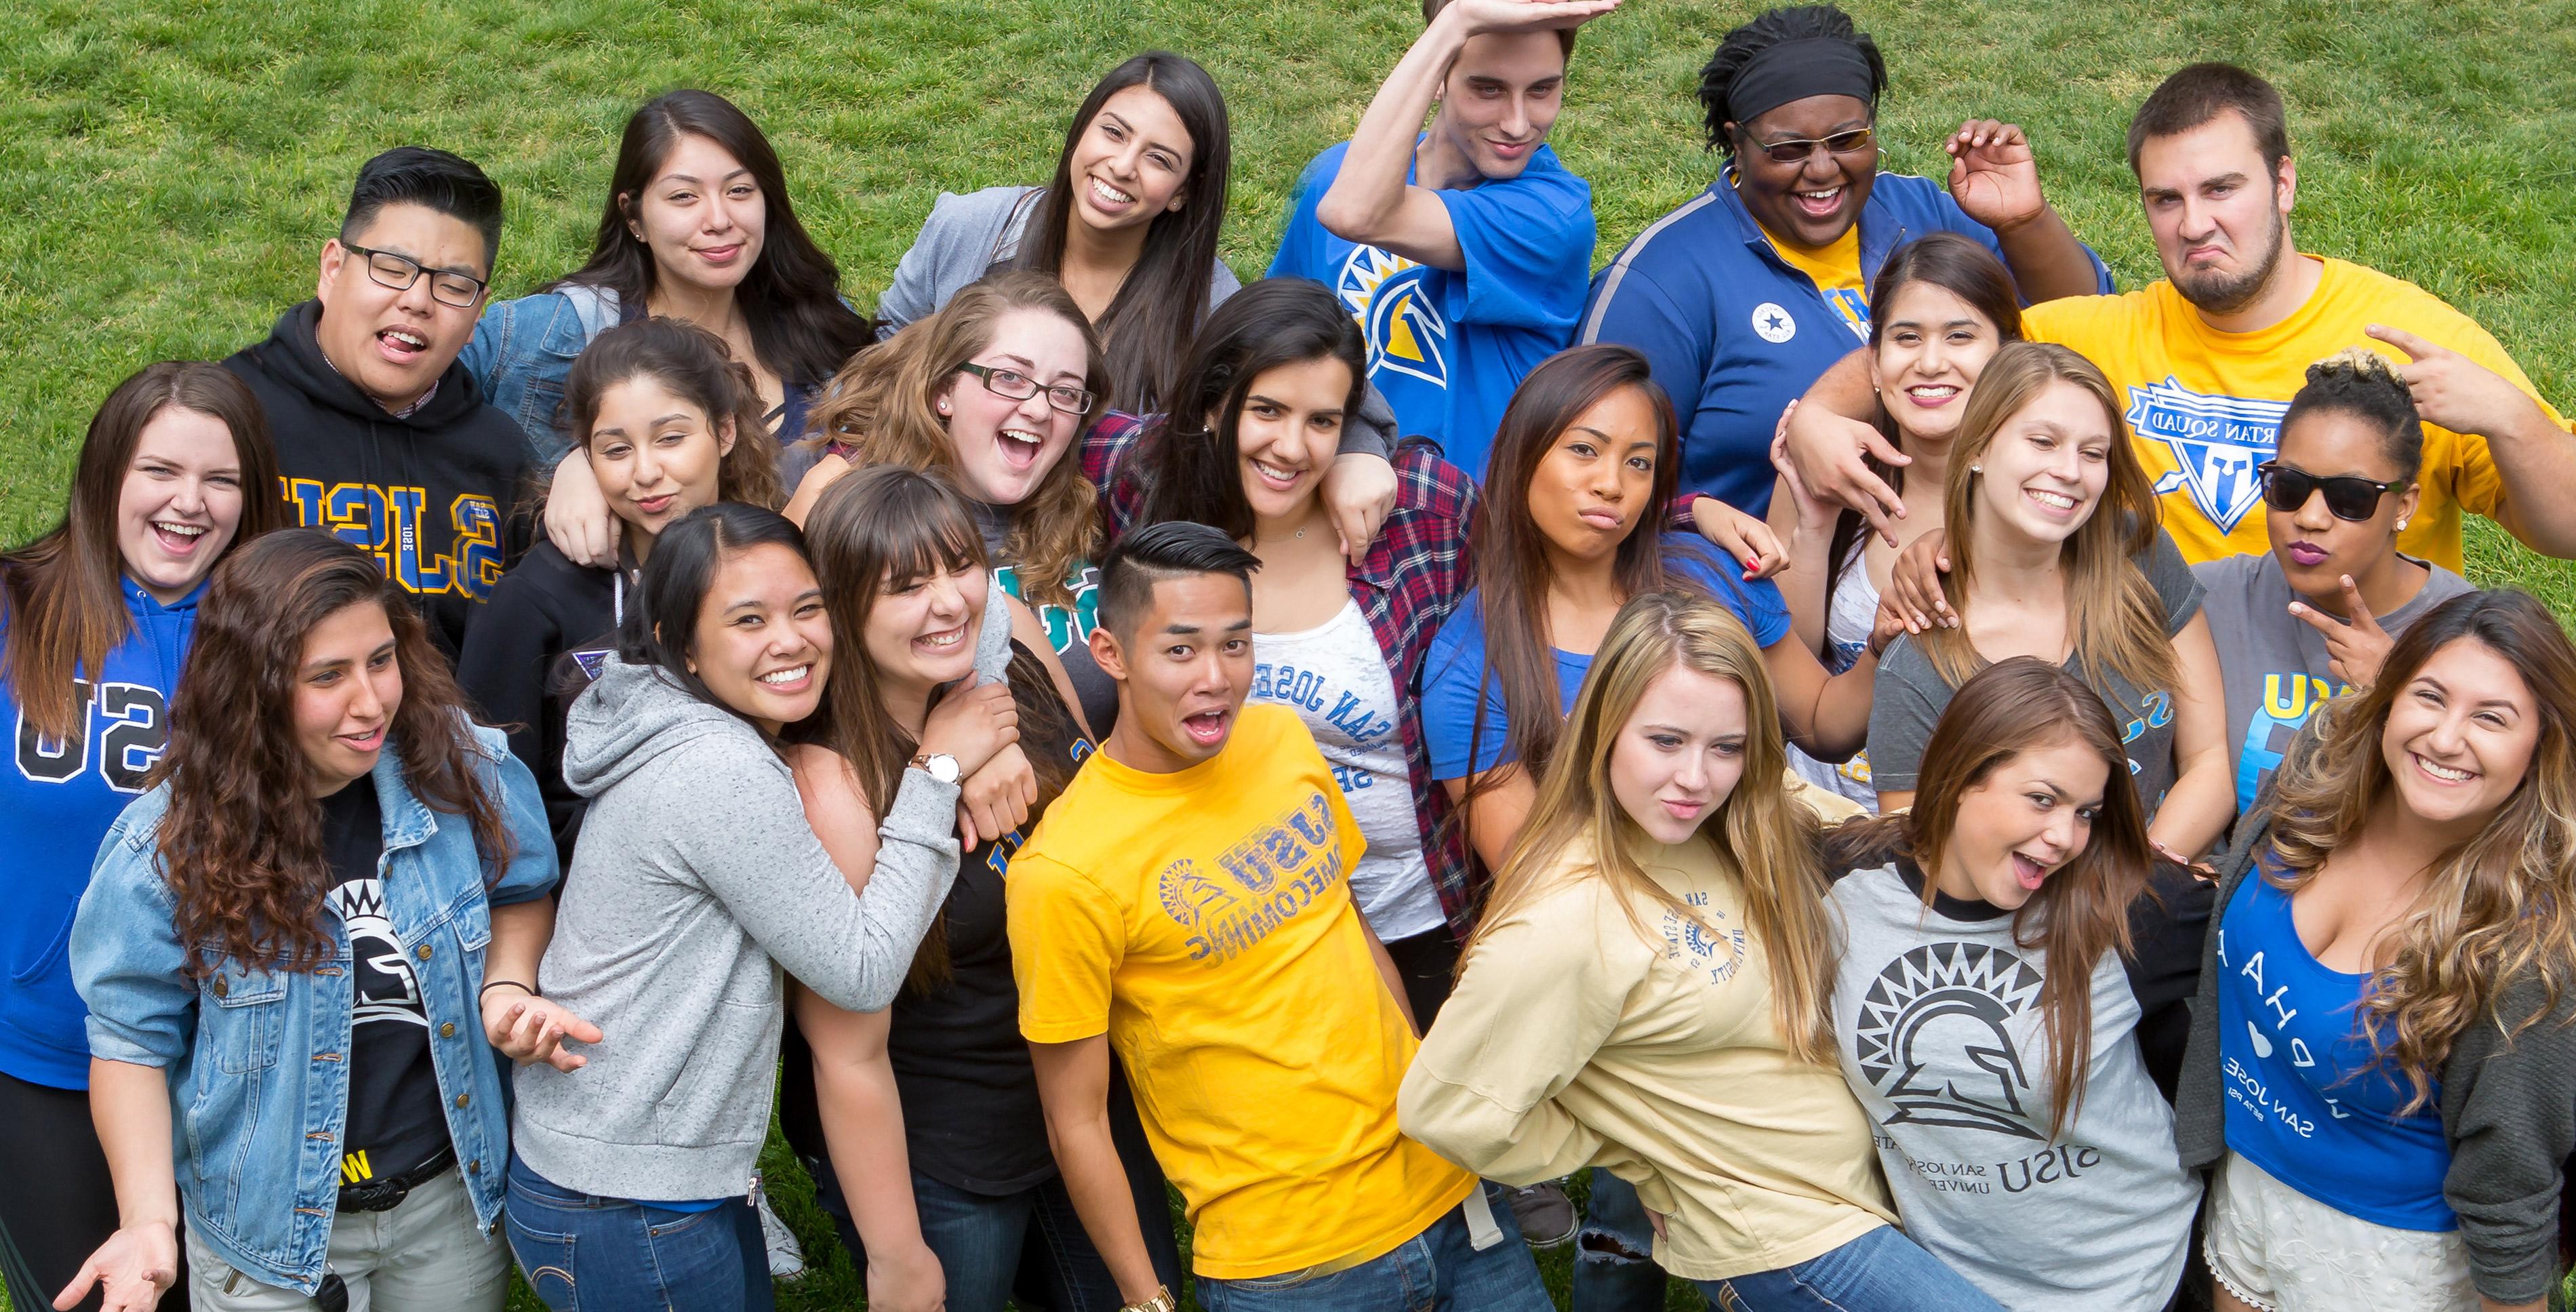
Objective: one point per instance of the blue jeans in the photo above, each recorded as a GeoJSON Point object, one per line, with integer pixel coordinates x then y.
{"type": "Point", "coordinates": [1880, 1270]}
{"type": "Point", "coordinates": [1030, 1243]}
{"type": "Point", "coordinates": [1614, 1267]}
{"type": "Point", "coordinates": [581, 1251]}
{"type": "Point", "coordinates": [1438, 1270]}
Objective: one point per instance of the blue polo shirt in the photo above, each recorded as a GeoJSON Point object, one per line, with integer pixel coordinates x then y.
{"type": "Point", "coordinates": [1447, 347]}
{"type": "Point", "coordinates": [1735, 333]}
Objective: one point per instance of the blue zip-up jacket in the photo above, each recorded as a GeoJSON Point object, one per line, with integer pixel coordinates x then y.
{"type": "Point", "coordinates": [257, 1058]}
{"type": "Point", "coordinates": [1735, 333]}
{"type": "Point", "coordinates": [54, 807]}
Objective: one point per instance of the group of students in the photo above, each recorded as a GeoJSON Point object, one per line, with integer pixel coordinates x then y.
{"type": "Point", "coordinates": [1333, 747]}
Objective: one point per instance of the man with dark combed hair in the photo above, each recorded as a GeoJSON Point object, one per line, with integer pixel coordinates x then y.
{"type": "Point", "coordinates": [2206, 360]}
{"type": "Point", "coordinates": [1186, 904]}
{"type": "Point", "coordinates": [382, 438]}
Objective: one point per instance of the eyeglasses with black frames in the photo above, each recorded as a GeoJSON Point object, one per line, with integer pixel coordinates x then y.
{"type": "Point", "coordinates": [446, 286]}
{"type": "Point", "coordinates": [1012, 385]}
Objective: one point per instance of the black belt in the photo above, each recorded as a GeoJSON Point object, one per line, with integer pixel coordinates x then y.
{"type": "Point", "coordinates": [386, 1193]}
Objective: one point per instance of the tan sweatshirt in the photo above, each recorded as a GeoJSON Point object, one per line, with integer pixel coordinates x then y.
{"type": "Point", "coordinates": [1573, 1041]}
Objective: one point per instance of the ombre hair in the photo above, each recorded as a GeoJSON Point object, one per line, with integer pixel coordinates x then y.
{"type": "Point", "coordinates": [884, 407]}
{"type": "Point", "coordinates": [2495, 910]}
{"type": "Point", "coordinates": [2114, 620]}
{"type": "Point", "coordinates": [1762, 836]}
{"type": "Point", "coordinates": [2081, 909]}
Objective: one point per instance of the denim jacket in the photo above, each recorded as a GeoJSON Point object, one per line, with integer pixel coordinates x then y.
{"type": "Point", "coordinates": [523, 351]}
{"type": "Point", "coordinates": [259, 1086]}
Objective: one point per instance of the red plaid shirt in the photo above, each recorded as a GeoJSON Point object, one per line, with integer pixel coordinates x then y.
{"type": "Point", "coordinates": [1411, 578]}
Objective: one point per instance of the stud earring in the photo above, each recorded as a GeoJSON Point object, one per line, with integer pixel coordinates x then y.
{"type": "Point", "coordinates": [1976, 469]}
{"type": "Point", "coordinates": [2401, 523]}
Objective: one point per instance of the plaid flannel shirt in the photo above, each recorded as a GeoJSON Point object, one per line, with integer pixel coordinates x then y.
{"type": "Point", "coordinates": [1411, 578]}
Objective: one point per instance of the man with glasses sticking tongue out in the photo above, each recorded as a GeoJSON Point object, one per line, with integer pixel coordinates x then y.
{"type": "Point", "coordinates": [382, 440]}
{"type": "Point", "coordinates": [1752, 288]}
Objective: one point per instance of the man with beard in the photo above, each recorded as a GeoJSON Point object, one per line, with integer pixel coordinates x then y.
{"type": "Point", "coordinates": [2206, 361]}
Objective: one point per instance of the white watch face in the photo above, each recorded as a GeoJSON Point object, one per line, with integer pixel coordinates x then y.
{"type": "Point", "coordinates": [942, 768]}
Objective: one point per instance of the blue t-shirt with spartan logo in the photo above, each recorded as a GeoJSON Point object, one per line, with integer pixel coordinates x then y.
{"type": "Point", "coordinates": [1446, 348]}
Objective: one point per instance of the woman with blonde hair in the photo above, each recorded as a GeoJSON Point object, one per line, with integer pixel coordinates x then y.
{"type": "Point", "coordinates": [2056, 552]}
{"type": "Point", "coordinates": [2381, 1050]}
{"type": "Point", "coordinates": [1648, 989]}
{"type": "Point", "coordinates": [2009, 1000]}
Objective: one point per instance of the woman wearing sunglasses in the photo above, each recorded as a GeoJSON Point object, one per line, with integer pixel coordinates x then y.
{"type": "Point", "coordinates": [1789, 239]}
{"type": "Point", "coordinates": [2316, 615]}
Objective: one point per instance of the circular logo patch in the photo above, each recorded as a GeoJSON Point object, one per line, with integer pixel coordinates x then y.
{"type": "Point", "coordinates": [1772, 323]}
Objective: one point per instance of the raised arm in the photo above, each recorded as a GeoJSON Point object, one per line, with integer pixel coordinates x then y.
{"type": "Point", "coordinates": [1370, 202]}
{"type": "Point", "coordinates": [1995, 178]}
{"type": "Point", "coordinates": [2534, 454]}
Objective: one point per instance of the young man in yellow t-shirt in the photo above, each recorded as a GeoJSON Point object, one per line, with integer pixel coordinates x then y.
{"type": "Point", "coordinates": [1185, 904]}
{"type": "Point", "coordinates": [2207, 360]}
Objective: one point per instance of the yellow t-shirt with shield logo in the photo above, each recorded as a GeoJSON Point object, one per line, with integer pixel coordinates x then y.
{"type": "Point", "coordinates": [2204, 407]}
{"type": "Point", "coordinates": [1835, 270]}
{"type": "Point", "coordinates": [1203, 920]}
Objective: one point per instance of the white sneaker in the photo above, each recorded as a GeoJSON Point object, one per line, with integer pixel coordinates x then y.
{"type": "Point", "coordinates": [786, 1256]}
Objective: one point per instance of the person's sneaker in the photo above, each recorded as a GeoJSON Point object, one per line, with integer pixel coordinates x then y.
{"type": "Point", "coordinates": [786, 1256]}
{"type": "Point", "coordinates": [1546, 1215]}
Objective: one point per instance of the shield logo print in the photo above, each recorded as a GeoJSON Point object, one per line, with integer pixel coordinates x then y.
{"type": "Point", "coordinates": [2216, 442]}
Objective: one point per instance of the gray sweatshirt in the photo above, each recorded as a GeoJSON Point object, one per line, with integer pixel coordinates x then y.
{"type": "Point", "coordinates": [697, 888]}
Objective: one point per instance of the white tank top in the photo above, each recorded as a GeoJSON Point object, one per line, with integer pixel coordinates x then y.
{"type": "Point", "coordinates": [1335, 678]}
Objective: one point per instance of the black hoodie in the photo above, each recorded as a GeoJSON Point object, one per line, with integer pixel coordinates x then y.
{"type": "Point", "coordinates": [431, 493]}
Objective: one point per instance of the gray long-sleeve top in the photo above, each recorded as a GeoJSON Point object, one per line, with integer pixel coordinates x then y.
{"type": "Point", "coordinates": [697, 889]}
{"type": "Point", "coordinates": [2508, 1099]}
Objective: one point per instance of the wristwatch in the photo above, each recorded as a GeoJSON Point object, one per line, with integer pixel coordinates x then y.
{"type": "Point", "coordinates": [1162, 1301]}
{"type": "Point", "coordinates": [940, 766]}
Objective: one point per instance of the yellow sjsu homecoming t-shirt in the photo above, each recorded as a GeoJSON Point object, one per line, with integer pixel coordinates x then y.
{"type": "Point", "coordinates": [2205, 406]}
{"type": "Point", "coordinates": [1203, 920]}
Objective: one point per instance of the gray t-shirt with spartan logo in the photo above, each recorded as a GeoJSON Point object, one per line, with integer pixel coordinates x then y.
{"type": "Point", "coordinates": [1937, 1016]}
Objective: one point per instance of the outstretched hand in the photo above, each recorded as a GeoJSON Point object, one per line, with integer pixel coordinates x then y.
{"type": "Point", "coordinates": [131, 1270]}
{"type": "Point", "coordinates": [2355, 650]}
{"type": "Point", "coordinates": [1829, 456]}
{"type": "Point", "coordinates": [1994, 175]}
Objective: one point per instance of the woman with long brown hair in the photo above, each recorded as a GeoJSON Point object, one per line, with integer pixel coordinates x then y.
{"type": "Point", "coordinates": [1646, 992]}
{"type": "Point", "coordinates": [921, 1122]}
{"type": "Point", "coordinates": [2009, 999]}
{"type": "Point", "coordinates": [2382, 1044]}
{"type": "Point", "coordinates": [669, 421]}
{"type": "Point", "coordinates": [284, 952]}
{"type": "Point", "coordinates": [2053, 534]}
{"type": "Point", "coordinates": [95, 618]}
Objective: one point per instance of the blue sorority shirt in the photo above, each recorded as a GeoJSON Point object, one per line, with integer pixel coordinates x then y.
{"type": "Point", "coordinates": [55, 806]}
{"type": "Point", "coordinates": [1447, 348]}
{"type": "Point", "coordinates": [1454, 671]}
{"type": "Point", "coordinates": [1735, 333]}
{"type": "Point", "coordinates": [2306, 1100]}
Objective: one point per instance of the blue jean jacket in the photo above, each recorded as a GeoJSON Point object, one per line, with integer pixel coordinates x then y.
{"type": "Point", "coordinates": [522, 354]}
{"type": "Point", "coordinates": [259, 1084]}
{"type": "Point", "coordinates": [523, 351]}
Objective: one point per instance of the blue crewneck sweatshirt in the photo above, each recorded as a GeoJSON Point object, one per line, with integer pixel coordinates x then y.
{"type": "Point", "coordinates": [55, 806]}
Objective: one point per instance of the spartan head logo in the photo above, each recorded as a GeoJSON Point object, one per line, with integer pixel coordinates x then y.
{"type": "Point", "coordinates": [2216, 441]}
{"type": "Point", "coordinates": [386, 988]}
{"type": "Point", "coordinates": [1189, 897]}
{"type": "Point", "coordinates": [1405, 331]}
{"type": "Point", "coordinates": [1933, 1037]}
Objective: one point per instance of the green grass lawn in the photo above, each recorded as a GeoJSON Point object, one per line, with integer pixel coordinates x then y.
{"type": "Point", "coordinates": [168, 172]}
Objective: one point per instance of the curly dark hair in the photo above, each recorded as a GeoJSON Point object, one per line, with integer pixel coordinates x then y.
{"type": "Point", "coordinates": [2360, 382]}
{"type": "Point", "coordinates": [242, 842]}
{"type": "Point", "coordinates": [1770, 28]}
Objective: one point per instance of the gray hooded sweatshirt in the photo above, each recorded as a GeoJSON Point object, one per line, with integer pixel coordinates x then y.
{"type": "Point", "coordinates": [697, 888]}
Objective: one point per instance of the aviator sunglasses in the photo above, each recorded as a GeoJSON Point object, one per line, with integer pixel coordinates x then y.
{"type": "Point", "coordinates": [2348, 496]}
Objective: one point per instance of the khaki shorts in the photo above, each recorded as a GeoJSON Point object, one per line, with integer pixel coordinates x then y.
{"type": "Point", "coordinates": [2278, 1250]}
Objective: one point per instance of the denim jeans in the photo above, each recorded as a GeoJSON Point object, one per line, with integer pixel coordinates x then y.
{"type": "Point", "coordinates": [1438, 1270]}
{"type": "Point", "coordinates": [581, 1251]}
{"type": "Point", "coordinates": [1613, 1267]}
{"type": "Point", "coordinates": [1030, 1243]}
{"type": "Point", "coordinates": [1882, 1271]}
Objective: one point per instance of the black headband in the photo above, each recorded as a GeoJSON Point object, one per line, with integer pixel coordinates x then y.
{"type": "Point", "coordinates": [1795, 70]}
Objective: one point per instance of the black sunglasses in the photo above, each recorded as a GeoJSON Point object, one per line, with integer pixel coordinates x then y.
{"type": "Point", "coordinates": [2348, 496]}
